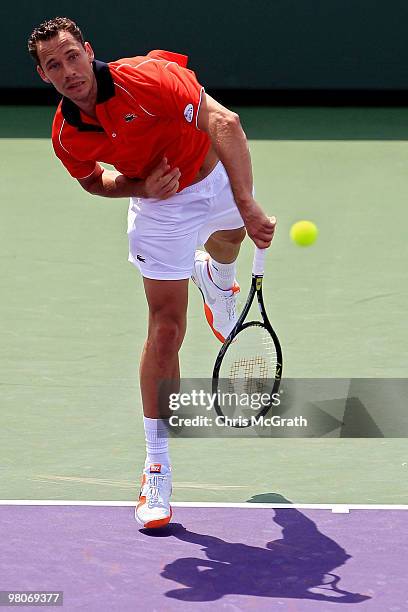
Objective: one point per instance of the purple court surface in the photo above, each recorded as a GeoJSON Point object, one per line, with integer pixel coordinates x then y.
{"type": "Point", "coordinates": [225, 558]}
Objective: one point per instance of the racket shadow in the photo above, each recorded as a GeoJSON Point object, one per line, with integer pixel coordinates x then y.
{"type": "Point", "coordinates": [289, 567]}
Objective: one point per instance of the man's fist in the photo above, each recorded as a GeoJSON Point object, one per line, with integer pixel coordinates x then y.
{"type": "Point", "coordinates": [260, 228]}
{"type": "Point", "coordinates": [162, 182]}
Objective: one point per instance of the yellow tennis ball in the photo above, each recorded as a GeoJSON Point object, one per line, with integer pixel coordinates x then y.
{"type": "Point", "coordinates": [304, 233]}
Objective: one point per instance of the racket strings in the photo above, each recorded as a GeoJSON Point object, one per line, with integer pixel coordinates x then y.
{"type": "Point", "coordinates": [250, 362]}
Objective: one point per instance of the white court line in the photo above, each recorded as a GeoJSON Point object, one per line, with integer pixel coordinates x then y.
{"type": "Point", "coordinates": [336, 508]}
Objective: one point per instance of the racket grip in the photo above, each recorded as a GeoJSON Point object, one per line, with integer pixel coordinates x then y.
{"type": "Point", "coordinates": [259, 262]}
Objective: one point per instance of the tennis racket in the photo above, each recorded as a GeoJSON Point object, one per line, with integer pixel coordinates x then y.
{"type": "Point", "coordinates": [249, 364]}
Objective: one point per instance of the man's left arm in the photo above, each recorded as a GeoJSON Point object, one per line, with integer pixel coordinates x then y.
{"type": "Point", "coordinates": [230, 143]}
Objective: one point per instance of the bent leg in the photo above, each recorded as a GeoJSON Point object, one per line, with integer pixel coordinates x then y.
{"type": "Point", "coordinates": [224, 245]}
{"type": "Point", "coordinates": [214, 274]}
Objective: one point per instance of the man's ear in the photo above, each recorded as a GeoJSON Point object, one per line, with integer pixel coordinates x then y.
{"type": "Point", "coordinates": [42, 74]}
{"type": "Point", "coordinates": [89, 51]}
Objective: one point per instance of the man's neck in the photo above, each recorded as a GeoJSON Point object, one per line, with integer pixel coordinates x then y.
{"type": "Point", "coordinates": [88, 106]}
{"type": "Point", "coordinates": [89, 110]}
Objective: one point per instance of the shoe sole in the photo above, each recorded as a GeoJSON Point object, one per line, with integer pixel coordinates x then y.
{"type": "Point", "coordinates": [155, 524]}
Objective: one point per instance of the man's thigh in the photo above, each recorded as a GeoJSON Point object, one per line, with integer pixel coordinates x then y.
{"type": "Point", "coordinates": [167, 299]}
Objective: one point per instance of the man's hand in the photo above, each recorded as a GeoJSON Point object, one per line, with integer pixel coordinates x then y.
{"type": "Point", "coordinates": [260, 228]}
{"type": "Point", "coordinates": [162, 182]}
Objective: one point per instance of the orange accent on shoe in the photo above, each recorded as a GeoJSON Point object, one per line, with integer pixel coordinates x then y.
{"type": "Point", "coordinates": [210, 319]}
{"type": "Point", "coordinates": [159, 522]}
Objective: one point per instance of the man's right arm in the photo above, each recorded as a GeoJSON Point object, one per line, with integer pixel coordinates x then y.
{"type": "Point", "coordinates": [161, 183]}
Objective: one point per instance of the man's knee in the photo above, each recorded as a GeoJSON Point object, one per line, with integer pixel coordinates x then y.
{"type": "Point", "coordinates": [167, 315]}
{"type": "Point", "coordinates": [167, 334]}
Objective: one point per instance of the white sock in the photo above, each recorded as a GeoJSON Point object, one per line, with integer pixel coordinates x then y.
{"type": "Point", "coordinates": [157, 442]}
{"type": "Point", "coordinates": [222, 274]}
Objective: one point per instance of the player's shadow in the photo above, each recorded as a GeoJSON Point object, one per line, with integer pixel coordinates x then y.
{"type": "Point", "coordinates": [299, 565]}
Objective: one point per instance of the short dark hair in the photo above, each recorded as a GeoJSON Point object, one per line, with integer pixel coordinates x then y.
{"type": "Point", "coordinates": [49, 29]}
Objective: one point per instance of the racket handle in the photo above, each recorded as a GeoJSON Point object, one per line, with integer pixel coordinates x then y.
{"type": "Point", "coordinates": [259, 262]}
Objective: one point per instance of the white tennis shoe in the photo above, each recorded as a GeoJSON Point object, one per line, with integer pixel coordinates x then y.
{"type": "Point", "coordinates": [220, 306]}
{"type": "Point", "coordinates": [153, 509]}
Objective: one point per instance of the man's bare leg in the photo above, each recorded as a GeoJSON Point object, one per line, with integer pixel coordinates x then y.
{"type": "Point", "coordinates": [167, 302]}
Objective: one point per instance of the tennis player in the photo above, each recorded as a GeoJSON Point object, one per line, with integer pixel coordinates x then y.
{"type": "Point", "coordinates": [183, 160]}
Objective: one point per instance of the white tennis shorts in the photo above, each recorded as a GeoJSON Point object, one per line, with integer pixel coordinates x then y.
{"type": "Point", "coordinates": [164, 234]}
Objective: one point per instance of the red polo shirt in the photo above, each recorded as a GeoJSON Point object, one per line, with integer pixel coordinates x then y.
{"type": "Point", "coordinates": [147, 108]}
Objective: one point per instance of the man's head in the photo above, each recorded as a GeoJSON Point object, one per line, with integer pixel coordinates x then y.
{"type": "Point", "coordinates": [63, 58]}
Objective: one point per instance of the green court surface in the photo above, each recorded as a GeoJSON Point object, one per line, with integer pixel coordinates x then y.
{"type": "Point", "coordinates": [73, 315]}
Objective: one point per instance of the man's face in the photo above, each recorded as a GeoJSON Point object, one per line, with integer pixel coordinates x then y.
{"type": "Point", "coordinates": [67, 65]}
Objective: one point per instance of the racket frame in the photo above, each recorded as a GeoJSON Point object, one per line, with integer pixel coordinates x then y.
{"type": "Point", "coordinates": [241, 324]}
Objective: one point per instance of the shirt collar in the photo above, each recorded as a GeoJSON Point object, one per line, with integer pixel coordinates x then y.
{"type": "Point", "coordinates": [105, 91]}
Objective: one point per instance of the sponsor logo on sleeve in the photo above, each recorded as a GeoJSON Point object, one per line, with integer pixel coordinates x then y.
{"type": "Point", "coordinates": [189, 113]}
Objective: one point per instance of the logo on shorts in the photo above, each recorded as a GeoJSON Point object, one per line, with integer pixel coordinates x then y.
{"type": "Point", "coordinates": [140, 258]}
{"type": "Point", "coordinates": [130, 117]}
{"type": "Point", "coordinates": [189, 113]}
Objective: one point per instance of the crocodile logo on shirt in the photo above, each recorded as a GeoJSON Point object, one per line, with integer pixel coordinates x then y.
{"type": "Point", "coordinates": [129, 117]}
